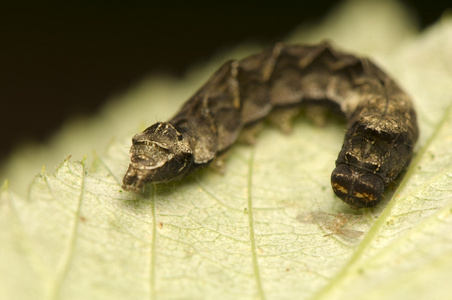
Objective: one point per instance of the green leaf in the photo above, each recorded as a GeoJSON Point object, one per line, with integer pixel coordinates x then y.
{"type": "Point", "coordinates": [269, 228]}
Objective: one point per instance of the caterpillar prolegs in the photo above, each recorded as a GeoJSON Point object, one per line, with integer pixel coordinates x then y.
{"type": "Point", "coordinates": [381, 121]}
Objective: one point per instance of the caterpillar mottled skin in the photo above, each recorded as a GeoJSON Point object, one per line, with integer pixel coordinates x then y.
{"type": "Point", "coordinates": [381, 121]}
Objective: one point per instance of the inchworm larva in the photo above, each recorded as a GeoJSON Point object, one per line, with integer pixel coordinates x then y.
{"type": "Point", "coordinates": [381, 121]}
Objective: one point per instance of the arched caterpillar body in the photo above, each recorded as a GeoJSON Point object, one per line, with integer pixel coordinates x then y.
{"type": "Point", "coordinates": [381, 121]}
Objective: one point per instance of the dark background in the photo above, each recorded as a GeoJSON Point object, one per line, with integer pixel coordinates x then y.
{"type": "Point", "coordinates": [62, 59]}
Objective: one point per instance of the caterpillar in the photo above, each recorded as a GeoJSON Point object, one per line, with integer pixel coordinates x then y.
{"type": "Point", "coordinates": [381, 121]}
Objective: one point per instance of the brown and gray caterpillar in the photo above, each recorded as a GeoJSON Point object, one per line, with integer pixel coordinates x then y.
{"type": "Point", "coordinates": [381, 122]}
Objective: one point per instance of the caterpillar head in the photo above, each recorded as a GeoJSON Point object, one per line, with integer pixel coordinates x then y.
{"type": "Point", "coordinates": [159, 154]}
